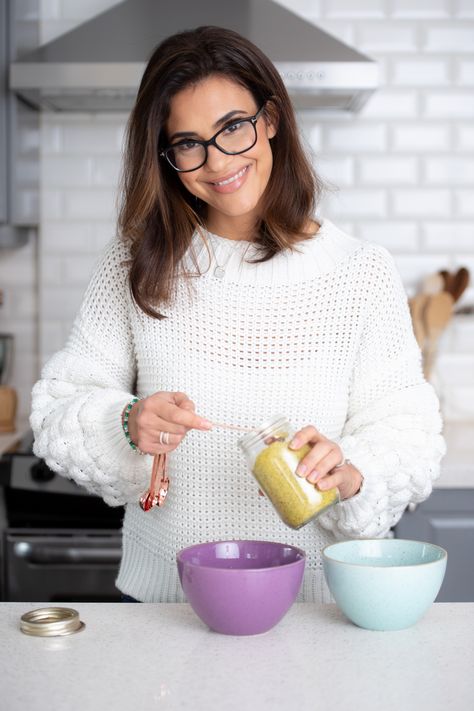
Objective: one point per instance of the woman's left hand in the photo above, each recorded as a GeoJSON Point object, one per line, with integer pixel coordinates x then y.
{"type": "Point", "coordinates": [325, 463]}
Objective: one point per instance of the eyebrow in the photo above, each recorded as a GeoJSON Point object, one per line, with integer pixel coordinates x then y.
{"type": "Point", "coordinates": [218, 124]}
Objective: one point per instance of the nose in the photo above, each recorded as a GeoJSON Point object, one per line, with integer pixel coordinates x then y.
{"type": "Point", "coordinates": [217, 160]}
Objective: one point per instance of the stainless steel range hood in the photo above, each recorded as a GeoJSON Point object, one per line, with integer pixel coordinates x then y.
{"type": "Point", "coordinates": [98, 66]}
{"type": "Point", "coordinates": [19, 132]}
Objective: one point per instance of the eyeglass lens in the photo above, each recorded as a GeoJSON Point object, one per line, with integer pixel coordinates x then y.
{"type": "Point", "coordinates": [236, 138]}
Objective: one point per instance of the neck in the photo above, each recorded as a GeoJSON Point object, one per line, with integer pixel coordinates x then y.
{"type": "Point", "coordinates": [235, 228]}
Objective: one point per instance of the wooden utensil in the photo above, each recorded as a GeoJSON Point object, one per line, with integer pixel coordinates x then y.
{"type": "Point", "coordinates": [447, 278]}
{"type": "Point", "coordinates": [8, 407]}
{"type": "Point", "coordinates": [433, 284]}
{"type": "Point", "coordinates": [417, 305]}
{"type": "Point", "coordinates": [436, 316]}
{"type": "Point", "coordinates": [460, 283]}
{"type": "Point", "coordinates": [455, 283]}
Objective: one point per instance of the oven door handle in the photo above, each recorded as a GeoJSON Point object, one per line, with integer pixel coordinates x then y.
{"type": "Point", "coordinates": [41, 554]}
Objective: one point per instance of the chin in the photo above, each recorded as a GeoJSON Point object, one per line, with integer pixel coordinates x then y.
{"type": "Point", "coordinates": [238, 210]}
{"type": "Point", "coordinates": [239, 213]}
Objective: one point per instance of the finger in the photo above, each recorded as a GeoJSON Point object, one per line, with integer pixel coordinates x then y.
{"type": "Point", "coordinates": [162, 424]}
{"type": "Point", "coordinates": [150, 424]}
{"type": "Point", "coordinates": [348, 480]}
{"type": "Point", "coordinates": [330, 481]}
{"type": "Point", "coordinates": [305, 435]}
{"type": "Point", "coordinates": [316, 455]}
{"type": "Point", "coordinates": [167, 439]}
{"type": "Point", "coordinates": [151, 444]}
{"type": "Point", "coordinates": [162, 408]}
{"type": "Point", "coordinates": [158, 449]}
{"type": "Point", "coordinates": [182, 400]}
{"type": "Point", "coordinates": [188, 406]}
{"type": "Point", "coordinates": [338, 479]}
{"type": "Point", "coordinates": [335, 478]}
{"type": "Point", "coordinates": [260, 493]}
{"type": "Point", "coordinates": [172, 413]}
{"type": "Point", "coordinates": [325, 465]}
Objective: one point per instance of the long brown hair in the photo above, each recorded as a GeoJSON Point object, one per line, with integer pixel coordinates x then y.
{"type": "Point", "coordinates": [157, 214]}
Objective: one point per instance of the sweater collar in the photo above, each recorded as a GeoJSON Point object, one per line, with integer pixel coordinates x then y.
{"type": "Point", "coordinates": [320, 254]}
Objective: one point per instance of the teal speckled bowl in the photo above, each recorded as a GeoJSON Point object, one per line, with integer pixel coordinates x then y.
{"type": "Point", "coordinates": [384, 584]}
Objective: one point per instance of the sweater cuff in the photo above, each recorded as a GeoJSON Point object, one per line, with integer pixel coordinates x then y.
{"type": "Point", "coordinates": [101, 421]}
{"type": "Point", "coordinates": [86, 443]}
{"type": "Point", "coordinates": [367, 513]}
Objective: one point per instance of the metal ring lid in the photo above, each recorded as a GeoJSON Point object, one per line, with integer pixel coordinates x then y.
{"type": "Point", "coordinates": [278, 422]}
{"type": "Point", "coordinates": [51, 622]}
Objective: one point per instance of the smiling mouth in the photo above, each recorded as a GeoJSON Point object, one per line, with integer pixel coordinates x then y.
{"type": "Point", "coordinates": [233, 177]}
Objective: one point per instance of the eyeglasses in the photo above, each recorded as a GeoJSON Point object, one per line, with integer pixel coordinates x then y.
{"type": "Point", "coordinates": [237, 137]}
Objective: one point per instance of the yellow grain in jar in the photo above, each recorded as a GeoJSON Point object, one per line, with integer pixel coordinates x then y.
{"type": "Point", "coordinates": [273, 464]}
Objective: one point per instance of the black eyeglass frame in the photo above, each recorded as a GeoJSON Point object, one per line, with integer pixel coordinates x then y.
{"type": "Point", "coordinates": [212, 142]}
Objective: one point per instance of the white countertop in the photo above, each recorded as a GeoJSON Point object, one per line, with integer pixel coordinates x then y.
{"type": "Point", "coordinates": [145, 656]}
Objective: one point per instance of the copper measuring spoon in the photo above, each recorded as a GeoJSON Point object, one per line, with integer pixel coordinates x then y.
{"type": "Point", "coordinates": [158, 490]}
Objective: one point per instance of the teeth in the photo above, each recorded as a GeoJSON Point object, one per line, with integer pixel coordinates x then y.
{"type": "Point", "coordinates": [234, 177]}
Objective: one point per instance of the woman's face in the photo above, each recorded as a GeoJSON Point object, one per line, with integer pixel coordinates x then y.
{"type": "Point", "coordinates": [231, 185]}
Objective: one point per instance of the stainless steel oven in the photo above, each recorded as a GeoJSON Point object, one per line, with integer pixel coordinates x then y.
{"type": "Point", "coordinates": [58, 543]}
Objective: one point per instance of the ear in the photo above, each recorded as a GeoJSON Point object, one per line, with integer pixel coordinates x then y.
{"type": "Point", "coordinates": [271, 130]}
{"type": "Point", "coordinates": [271, 119]}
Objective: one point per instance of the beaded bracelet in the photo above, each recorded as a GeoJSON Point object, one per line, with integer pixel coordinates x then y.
{"type": "Point", "coordinates": [125, 416]}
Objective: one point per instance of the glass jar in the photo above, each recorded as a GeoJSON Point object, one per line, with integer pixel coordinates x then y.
{"type": "Point", "coordinates": [273, 465]}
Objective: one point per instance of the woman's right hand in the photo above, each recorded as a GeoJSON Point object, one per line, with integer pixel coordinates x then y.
{"type": "Point", "coordinates": [163, 412]}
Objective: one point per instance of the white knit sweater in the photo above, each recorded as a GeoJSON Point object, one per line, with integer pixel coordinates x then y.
{"type": "Point", "coordinates": [322, 335]}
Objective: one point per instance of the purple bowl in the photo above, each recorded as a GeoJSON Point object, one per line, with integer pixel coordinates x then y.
{"type": "Point", "coordinates": [241, 587]}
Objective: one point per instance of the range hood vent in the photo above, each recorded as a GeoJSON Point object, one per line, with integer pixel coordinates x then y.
{"type": "Point", "coordinates": [19, 131]}
{"type": "Point", "coordinates": [98, 66]}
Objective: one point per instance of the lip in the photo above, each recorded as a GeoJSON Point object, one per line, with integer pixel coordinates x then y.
{"type": "Point", "coordinates": [234, 184]}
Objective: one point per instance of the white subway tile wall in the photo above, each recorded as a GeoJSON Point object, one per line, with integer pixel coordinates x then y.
{"type": "Point", "coordinates": [419, 136]}
{"type": "Point", "coordinates": [465, 72]}
{"type": "Point", "coordinates": [420, 9]}
{"type": "Point", "coordinates": [452, 38]}
{"type": "Point", "coordinates": [421, 73]}
{"type": "Point", "coordinates": [401, 172]}
{"type": "Point", "coordinates": [464, 9]}
{"type": "Point", "coordinates": [362, 9]}
{"type": "Point", "coordinates": [450, 105]}
{"type": "Point", "coordinates": [19, 316]}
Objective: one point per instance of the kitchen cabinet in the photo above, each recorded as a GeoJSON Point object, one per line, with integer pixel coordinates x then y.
{"type": "Point", "coordinates": [19, 129]}
{"type": "Point", "coordinates": [446, 519]}
{"type": "Point", "coordinates": [161, 656]}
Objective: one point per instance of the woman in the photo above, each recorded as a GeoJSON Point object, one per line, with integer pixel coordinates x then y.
{"type": "Point", "coordinates": [225, 300]}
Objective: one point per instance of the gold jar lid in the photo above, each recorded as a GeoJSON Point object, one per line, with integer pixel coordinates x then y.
{"type": "Point", "coordinates": [51, 622]}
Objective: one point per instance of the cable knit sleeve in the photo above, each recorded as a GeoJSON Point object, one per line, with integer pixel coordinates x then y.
{"type": "Point", "coordinates": [392, 433]}
{"type": "Point", "coordinates": [77, 403]}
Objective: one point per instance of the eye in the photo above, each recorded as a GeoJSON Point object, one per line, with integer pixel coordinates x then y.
{"type": "Point", "coordinates": [233, 127]}
{"type": "Point", "coordinates": [185, 146]}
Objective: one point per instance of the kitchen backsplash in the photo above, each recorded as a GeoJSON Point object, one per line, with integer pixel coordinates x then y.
{"type": "Point", "coordinates": [401, 171]}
